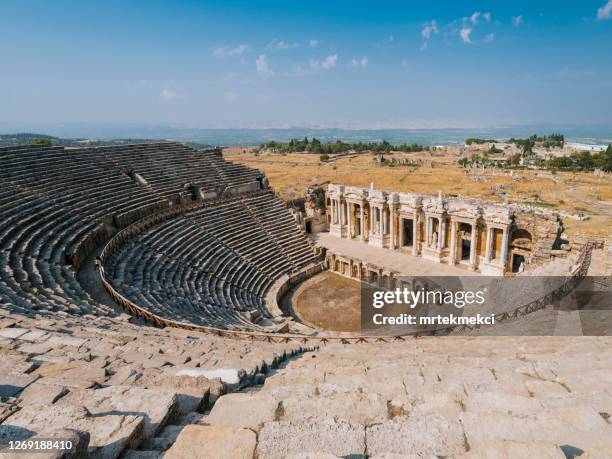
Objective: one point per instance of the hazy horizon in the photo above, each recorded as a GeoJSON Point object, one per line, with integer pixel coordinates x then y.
{"type": "Point", "coordinates": [593, 134]}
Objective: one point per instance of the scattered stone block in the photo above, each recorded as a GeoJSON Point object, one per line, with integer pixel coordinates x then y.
{"type": "Point", "coordinates": [205, 442]}
{"type": "Point", "coordinates": [338, 437]}
{"type": "Point", "coordinates": [13, 332]}
{"type": "Point", "coordinates": [244, 410]}
{"type": "Point", "coordinates": [12, 383]}
{"type": "Point", "coordinates": [428, 435]}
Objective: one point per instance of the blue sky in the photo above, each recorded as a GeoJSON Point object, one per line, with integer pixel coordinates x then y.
{"type": "Point", "coordinates": [327, 63]}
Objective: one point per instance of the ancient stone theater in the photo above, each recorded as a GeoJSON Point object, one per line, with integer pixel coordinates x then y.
{"type": "Point", "coordinates": [142, 301]}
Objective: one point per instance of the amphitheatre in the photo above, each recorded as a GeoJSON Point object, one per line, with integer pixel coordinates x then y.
{"type": "Point", "coordinates": [158, 300]}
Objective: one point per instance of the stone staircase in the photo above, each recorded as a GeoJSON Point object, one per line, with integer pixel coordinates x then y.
{"type": "Point", "coordinates": [115, 388]}
{"type": "Point", "coordinates": [431, 397]}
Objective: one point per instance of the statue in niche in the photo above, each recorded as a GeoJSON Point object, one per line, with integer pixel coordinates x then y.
{"type": "Point", "coordinates": [434, 240]}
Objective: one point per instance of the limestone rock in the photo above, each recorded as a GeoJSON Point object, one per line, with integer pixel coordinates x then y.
{"type": "Point", "coordinates": [42, 394]}
{"type": "Point", "coordinates": [244, 410]}
{"type": "Point", "coordinates": [428, 435]}
{"type": "Point", "coordinates": [206, 442]}
{"type": "Point", "coordinates": [505, 449]}
{"type": "Point", "coordinates": [342, 438]}
{"type": "Point", "coordinates": [11, 384]}
{"type": "Point", "coordinates": [157, 407]}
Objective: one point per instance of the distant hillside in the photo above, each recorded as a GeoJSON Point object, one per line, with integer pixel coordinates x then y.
{"type": "Point", "coordinates": [25, 138]}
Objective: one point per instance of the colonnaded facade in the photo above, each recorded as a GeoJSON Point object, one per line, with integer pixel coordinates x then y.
{"type": "Point", "coordinates": [492, 239]}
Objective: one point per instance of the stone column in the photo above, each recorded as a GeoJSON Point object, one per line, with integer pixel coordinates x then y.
{"type": "Point", "coordinates": [490, 233]}
{"type": "Point", "coordinates": [401, 231]}
{"type": "Point", "coordinates": [453, 244]}
{"type": "Point", "coordinates": [383, 214]}
{"type": "Point", "coordinates": [415, 234]}
{"type": "Point", "coordinates": [429, 231]}
{"type": "Point", "coordinates": [350, 223]}
{"type": "Point", "coordinates": [391, 228]}
{"type": "Point", "coordinates": [473, 240]}
{"type": "Point", "coordinates": [442, 233]}
{"type": "Point", "coordinates": [334, 212]}
{"type": "Point", "coordinates": [504, 249]}
{"type": "Point", "coordinates": [362, 223]}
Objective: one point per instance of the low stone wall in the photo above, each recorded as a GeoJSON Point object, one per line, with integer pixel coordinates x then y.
{"type": "Point", "coordinates": [284, 283]}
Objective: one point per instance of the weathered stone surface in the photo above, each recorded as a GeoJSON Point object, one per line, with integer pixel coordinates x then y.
{"type": "Point", "coordinates": [13, 332]}
{"type": "Point", "coordinates": [192, 392]}
{"type": "Point", "coordinates": [33, 349]}
{"type": "Point", "coordinates": [428, 435]}
{"type": "Point", "coordinates": [64, 340]}
{"type": "Point", "coordinates": [576, 426]}
{"type": "Point", "coordinates": [230, 376]}
{"type": "Point", "coordinates": [505, 449]}
{"type": "Point", "coordinates": [244, 410]}
{"type": "Point", "coordinates": [42, 394]}
{"type": "Point", "coordinates": [315, 455]}
{"type": "Point", "coordinates": [34, 335]}
{"type": "Point", "coordinates": [111, 434]}
{"type": "Point", "coordinates": [32, 420]}
{"type": "Point", "coordinates": [205, 442]}
{"type": "Point", "coordinates": [488, 402]}
{"type": "Point", "coordinates": [279, 439]}
{"type": "Point", "coordinates": [78, 375]}
{"type": "Point", "coordinates": [12, 383]}
{"type": "Point", "coordinates": [164, 439]}
{"type": "Point", "coordinates": [156, 407]}
{"type": "Point", "coordinates": [7, 409]}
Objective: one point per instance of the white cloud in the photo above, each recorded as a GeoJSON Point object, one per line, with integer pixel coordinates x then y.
{"type": "Point", "coordinates": [328, 63]}
{"type": "Point", "coordinates": [605, 12]}
{"type": "Point", "coordinates": [517, 21]}
{"type": "Point", "coordinates": [167, 94]}
{"type": "Point", "coordinates": [225, 51]}
{"type": "Point", "coordinates": [429, 28]}
{"type": "Point", "coordinates": [465, 33]}
{"type": "Point", "coordinates": [474, 17]}
{"type": "Point", "coordinates": [281, 44]}
{"type": "Point", "coordinates": [423, 46]}
{"type": "Point", "coordinates": [391, 38]}
{"type": "Point", "coordinates": [406, 63]}
{"type": "Point", "coordinates": [363, 62]}
{"type": "Point", "coordinates": [489, 38]}
{"type": "Point", "coordinates": [313, 43]}
{"type": "Point", "coordinates": [261, 63]}
{"type": "Point", "coordinates": [487, 16]}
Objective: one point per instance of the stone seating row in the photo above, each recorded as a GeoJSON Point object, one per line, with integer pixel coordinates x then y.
{"type": "Point", "coordinates": [212, 265]}
{"type": "Point", "coordinates": [57, 204]}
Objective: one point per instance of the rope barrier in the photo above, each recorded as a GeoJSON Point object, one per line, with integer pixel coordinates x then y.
{"type": "Point", "coordinates": [111, 247]}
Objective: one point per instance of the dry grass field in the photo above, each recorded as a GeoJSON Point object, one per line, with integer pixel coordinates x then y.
{"type": "Point", "coordinates": [290, 175]}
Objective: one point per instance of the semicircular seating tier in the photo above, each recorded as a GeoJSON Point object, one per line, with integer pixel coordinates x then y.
{"type": "Point", "coordinates": [59, 204]}
{"type": "Point", "coordinates": [213, 265]}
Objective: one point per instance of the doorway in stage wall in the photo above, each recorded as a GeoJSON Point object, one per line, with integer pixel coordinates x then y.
{"type": "Point", "coordinates": [408, 232]}
{"type": "Point", "coordinates": [309, 227]}
{"type": "Point", "coordinates": [517, 261]}
{"type": "Point", "coordinates": [465, 231]}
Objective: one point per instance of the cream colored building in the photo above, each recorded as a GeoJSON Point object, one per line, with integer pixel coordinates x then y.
{"type": "Point", "coordinates": [489, 238]}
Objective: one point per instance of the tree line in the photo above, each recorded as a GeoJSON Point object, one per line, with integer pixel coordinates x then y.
{"type": "Point", "coordinates": [577, 161]}
{"type": "Point", "coordinates": [315, 146]}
